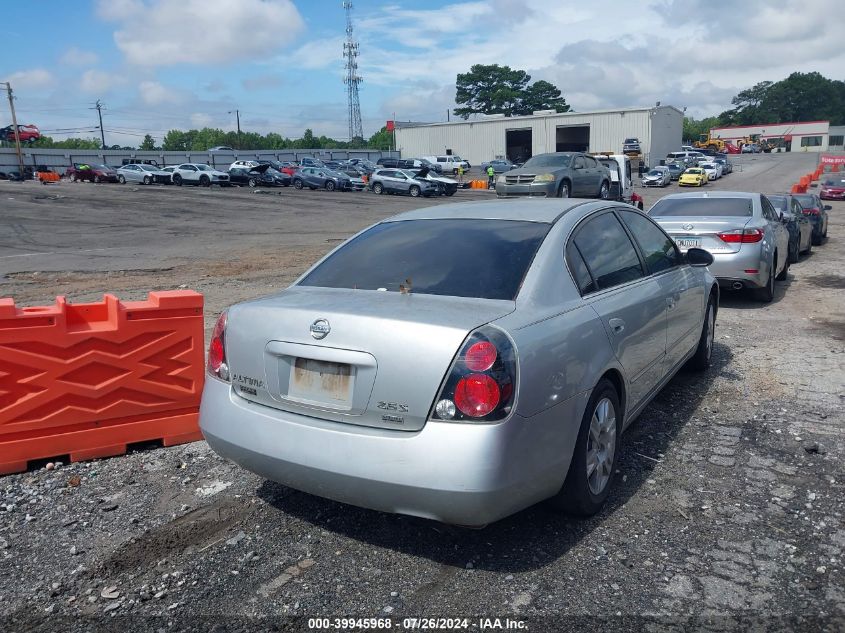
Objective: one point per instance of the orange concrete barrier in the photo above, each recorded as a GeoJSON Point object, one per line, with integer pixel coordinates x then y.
{"type": "Point", "coordinates": [86, 379]}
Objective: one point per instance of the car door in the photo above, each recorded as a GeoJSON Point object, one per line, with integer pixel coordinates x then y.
{"type": "Point", "coordinates": [629, 302]}
{"type": "Point", "coordinates": [805, 227]}
{"type": "Point", "coordinates": [579, 177]}
{"type": "Point", "coordinates": [679, 284]}
{"type": "Point", "coordinates": [189, 173]}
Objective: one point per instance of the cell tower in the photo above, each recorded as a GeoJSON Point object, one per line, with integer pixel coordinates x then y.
{"type": "Point", "coordinates": [352, 79]}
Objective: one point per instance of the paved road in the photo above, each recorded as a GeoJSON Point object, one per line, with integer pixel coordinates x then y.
{"type": "Point", "coordinates": [728, 501]}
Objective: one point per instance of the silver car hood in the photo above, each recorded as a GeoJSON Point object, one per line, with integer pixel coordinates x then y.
{"type": "Point", "coordinates": [380, 365]}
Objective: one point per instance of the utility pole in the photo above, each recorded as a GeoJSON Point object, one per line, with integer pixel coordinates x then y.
{"type": "Point", "coordinates": [15, 126]}
{"type": "Point", "coordinates": [238, 120]}
{"type": "Point", "coordinates": [99, 108]}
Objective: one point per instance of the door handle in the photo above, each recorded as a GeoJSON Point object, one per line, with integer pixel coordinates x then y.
{"type": "Point", "coordinates": [670, 302]}
{"type": "Point", "coordinates": [617, 325]}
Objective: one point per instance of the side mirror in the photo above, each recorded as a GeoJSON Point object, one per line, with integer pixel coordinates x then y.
{"type": "Point", "coordinates": [827, 207]}
{"type": "Point", "coordinates": [698, 257]}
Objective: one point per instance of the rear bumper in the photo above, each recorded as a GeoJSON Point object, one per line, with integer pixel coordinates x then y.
{"type": "Point", "coordinates": [461, 474]}
{"type": "Point", "coordinates": [729, 268]}
{"type": "Point", "coordinates": [831, 195]}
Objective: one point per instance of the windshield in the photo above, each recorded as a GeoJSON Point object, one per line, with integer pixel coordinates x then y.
{"type": "Point", "coordinates": [693, 171]}
{"type": "Point", "coordinates": [654, 172]}
{"type": "Point", "coordinates": [834, 183]}
{"type": "Point", "coordinates": [204, 167]}
{"type": "Point", "coordinates": [484, 259]}
{"type": "Point", "coordinates": [549, 160]}
{"type": "Point", "coordinates": [708, 207]}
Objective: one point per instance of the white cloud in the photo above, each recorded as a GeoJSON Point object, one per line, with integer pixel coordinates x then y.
{"type": "Point", "coordinates": [262, 82]}
{"type": "Point", "coordinates": [100, 82]}
{"type": "Point", "coordinates": [78, 57]}
{"type": "Point", "coordinates": [201, 119]}
{"type": "Point", "coordinates": [154, 93]}
{"type": "Point", "coordinates": [32, 79]}
{"type": "Point", "coordinates": [166, 32]}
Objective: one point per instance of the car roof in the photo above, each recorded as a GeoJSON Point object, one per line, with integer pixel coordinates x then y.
{"type": "Point", "coordinates": [713, 194]}
{"type": "Point", "coordinates": [537, 210]}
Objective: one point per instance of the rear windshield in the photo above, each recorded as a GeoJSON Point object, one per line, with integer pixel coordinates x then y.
{"type": "Point", "coordinates": [806, 202]}
{"type": "Point", "coordinates": [484, 259]}
{"type": "Point", "coordinates": [779, 202]}
{"type": "Point", "coordinates": [711, 207]}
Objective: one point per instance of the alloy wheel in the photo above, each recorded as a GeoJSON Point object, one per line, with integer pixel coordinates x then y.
{"type": "Point", "coordinates": [601, 446]}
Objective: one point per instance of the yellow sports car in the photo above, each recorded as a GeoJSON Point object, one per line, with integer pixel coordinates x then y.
{"type": "Point", "coordinates": [693, 177]}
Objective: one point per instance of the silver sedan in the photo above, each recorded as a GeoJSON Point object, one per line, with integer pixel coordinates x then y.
{"type": "Point", "coordinates": [462, 362]}
{"type": "Point", "coordinates": [743, 231]}
{"type": "Point", "coordinates": [142, 173]}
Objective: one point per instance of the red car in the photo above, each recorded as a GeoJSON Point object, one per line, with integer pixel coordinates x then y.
{"type": "Point", "coordinates": [92, 172]}
{"type": "Point", "coordinates": [833, 188]}
{"type": "Point", "coordinates": [27, 133]}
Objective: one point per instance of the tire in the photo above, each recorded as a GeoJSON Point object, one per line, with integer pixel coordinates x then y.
{"type": "Point", "coordinates": [604, 190]}
{"type": "Point", "coordinates": [297, 183]}
{"type": "Point", "coordinates": [414, 191]}
{"type": "Point", "coordinates": [97, 179]}
{"type": "Point", "coordinates": [564, 190]}
{"type": "Point", "coordinates": [177, 180]}
{"type": "Point", "coordinates": [122, 179]}
{"type": "Point", "coordinates": [312, 188]}
{"type": "Point", "coordinates": [330, 186]}
{"type": "Point", "coordinates": [782, 274]}
{"type": "Point", "coordinates": [73, 178]}
{"type": "Point", "coordinates": [147, 180]}
{"type": "Point", "coordinates": [584, 493]}
{"type": "Point", "coordinates": [817, 239]}
{"type": "Point", "coordinates": [795, 253]}
{"type": "Point", "coordinates": [205, 181]}
{"type": "Point", "coordinates": [378, 188]}
{"type": "Point", "coordinates": [701, 360]}
{"type": "Point", "coordinates": [251, 182]}
{"type": "Point", "coordinates": [767, 293]}
{"type": "Point", "coordinates": [450, 193]}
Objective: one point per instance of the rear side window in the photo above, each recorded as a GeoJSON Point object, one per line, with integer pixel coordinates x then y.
{"type": "Point", "coordinates": [608, 251]}
{"type": "Point", "coordinates": [658, 248]}
{"type": "Point", "coordinates": [778, 202]}
{"type": "Point", "coordinates": [580, 273]}
{"type": "Point", "coordinates": [711, 207]}
{"type": "Point", "coordinates": [484, 259]}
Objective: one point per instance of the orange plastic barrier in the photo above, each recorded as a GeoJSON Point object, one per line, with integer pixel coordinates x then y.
{"type": "Point", "coordinates": [87, 379]}
{"type": "Point", "coordinates": [478, 184]}
{"type": "Point", "coordinates": [47, 176]}
{"type": "Point", "coordinates": [804, 181]}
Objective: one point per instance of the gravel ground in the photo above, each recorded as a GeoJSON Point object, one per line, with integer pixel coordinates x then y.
{"type": "Point", "coordinates": [727, 513]}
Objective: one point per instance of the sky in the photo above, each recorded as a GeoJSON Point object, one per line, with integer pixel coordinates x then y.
{"type": "Point", "coordinates": [158, 65]}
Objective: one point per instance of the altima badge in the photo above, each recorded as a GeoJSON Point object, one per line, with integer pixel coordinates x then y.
{"type": "Point", "coordinates": [687, 227]}
{"type": "Point", "coordinates": [320, 329]}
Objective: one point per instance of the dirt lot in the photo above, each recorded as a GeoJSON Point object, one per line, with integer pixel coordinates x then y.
{"type": "Point", "coordinates": [727, 511]}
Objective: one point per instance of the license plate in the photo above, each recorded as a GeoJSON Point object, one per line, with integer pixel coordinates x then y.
{"type": "Point", "coordinates": [688, 242]}
{"type": "Point", "coordinates": [321, 381]}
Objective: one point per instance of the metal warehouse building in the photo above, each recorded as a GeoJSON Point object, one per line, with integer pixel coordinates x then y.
{"type": "Point", "coordinates": [809, 136]}
{"type": "Point", "coordinates": [658, 128]}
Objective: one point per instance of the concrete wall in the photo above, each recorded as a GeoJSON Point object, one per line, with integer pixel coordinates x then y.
{"type": "Point", "coordinates": [61, 159]}
{"type": "Point", "coordinates": [481, 140]}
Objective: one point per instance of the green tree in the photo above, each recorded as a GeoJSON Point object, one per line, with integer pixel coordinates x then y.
{"type": "Point", "coordinates": [542, 95]}
{"type": "Point", "coordinates": [490, 89]}
{"type": "Point", "coordinates": [693, 128]}
{"type": "Point", "coordinates": [382, 140]}
{"type": "Point", "coordinates": [148, 144]}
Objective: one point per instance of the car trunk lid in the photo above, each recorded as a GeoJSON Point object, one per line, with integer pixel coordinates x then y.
{"type": "Point", "coordinates": [703, 232]}
{"type": "Point", "coordinates": [365, 358]}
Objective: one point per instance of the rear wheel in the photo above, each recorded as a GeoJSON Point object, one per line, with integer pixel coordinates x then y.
{"type": "Point", "coordinates": [147, 180]}
{"type": "Point", "coordinates": [594, 459]}
{"type": "Point", "coordinates": [378, 188]}
{"type": "Point", "coordinates": [121, 179]}
{"type": "Point", "coordinates": [604, 190]}
{"type": "Point", "coordinates": [330, 185]}
{"type": "Point", "coordinates": [704, 352]}
{"type": "Point", "coordinates": [96, 179]}
{"type": "Point", "coordinates": [177, 180]}
{"type": "Point", "coordinates": [414, 191]}
{"type": "Point", "coordinates": [795, 251]}
{"type": "Point", "coordinates": [73, 178]}
{"type": "Point", "coordinates": [782, 275]}
{"type": "Point", "coordinates": [297, 184]}
{"type": "Point", "coordinates": [767, 293]}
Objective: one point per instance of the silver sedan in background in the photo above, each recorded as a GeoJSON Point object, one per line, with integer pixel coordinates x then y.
{"type": "Point", "coordinates": [142, 173]}
{"type": "Point", "coordinates": [462, 362]}
{"type": "Point", "coordinates": [743, 231]}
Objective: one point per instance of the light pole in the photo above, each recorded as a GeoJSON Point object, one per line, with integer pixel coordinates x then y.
{"type": "Point", "coordinates": [14, 125]}
{"type": "Point", "coordinates": [238, 119]}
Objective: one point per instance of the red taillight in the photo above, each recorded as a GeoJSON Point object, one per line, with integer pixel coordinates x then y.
{"type": "Point", "coordinates": [481, 383]}
{"type": "Point", "coordinates": [741, 236]}
{"type": "Point", "coordinates": [481, 356]}
{"type": "Point", "coordinates": [217, 366]}
{"type": "Point", "coordinates": [477, 395]}
{"type": "Point", "coordinates": [812, 211]}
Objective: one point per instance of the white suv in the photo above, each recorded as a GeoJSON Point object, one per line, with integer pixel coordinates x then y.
{"type": "Point", "coordinates": [199, 174]}
{"type": "Point", "coordinates": [244, 164]}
